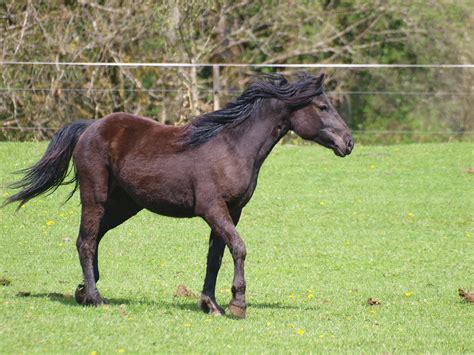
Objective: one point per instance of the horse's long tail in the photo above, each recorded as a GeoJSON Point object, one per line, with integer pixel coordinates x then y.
{"type": "Point", "coordinates": [49, 173]}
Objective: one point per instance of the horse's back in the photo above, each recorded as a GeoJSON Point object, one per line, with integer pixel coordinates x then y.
{"type": "Point", "coordinates": [126, 132]}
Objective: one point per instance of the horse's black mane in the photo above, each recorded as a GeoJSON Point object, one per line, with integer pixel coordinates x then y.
{"type": "Point", "coordinates": [299, 93]}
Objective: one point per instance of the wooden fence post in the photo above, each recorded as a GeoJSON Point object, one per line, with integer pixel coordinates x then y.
{"type": "Point", "coordinates": [216, 87]}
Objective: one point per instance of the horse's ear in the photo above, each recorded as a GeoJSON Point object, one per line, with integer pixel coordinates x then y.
{"type": "Point", "coordinates": [317, 81]}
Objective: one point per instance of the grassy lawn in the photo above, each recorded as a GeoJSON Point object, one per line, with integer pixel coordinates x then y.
{"type": "Point", "coordinates": [323, 235]}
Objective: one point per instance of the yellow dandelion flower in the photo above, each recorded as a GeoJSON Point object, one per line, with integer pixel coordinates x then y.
{"type": "Point", "coordinates": [309, 296]}
{"type": "Point", "coordinates": [292, 296]}
{"type": "Point", "coordinates": [300, 331]}
{"type": "Point", "coordinates": [269, 324]}
{"type": "Point", "coordinates": [322, 203]}
{"type": "Point", "coordinates": [408, 294]}
{"type": "Point", "coordinates": [121, 350]}
{"type": "Point", "coordinates": [50, 222]}
{"type": "Point", "coordinates": [291, 325]}
{"type": "Point", "coordinates": [93, 352]}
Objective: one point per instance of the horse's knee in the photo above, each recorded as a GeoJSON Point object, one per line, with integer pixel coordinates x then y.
{"type": "Point", "coordinates": [239, 251]}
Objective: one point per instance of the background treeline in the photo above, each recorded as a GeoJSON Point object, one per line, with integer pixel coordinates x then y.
{"type": "Point", "coordinates": [429, 104]}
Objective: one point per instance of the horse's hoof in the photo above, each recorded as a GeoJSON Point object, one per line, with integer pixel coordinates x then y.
{"type": "Point", "coordinates": [81, 297]}
{"type": "Point", "coordinates": [208, 306]}
{"type": "Point", "coordinates": [237, 311]}
{"type": "Point", "coordinates": [80, 294]}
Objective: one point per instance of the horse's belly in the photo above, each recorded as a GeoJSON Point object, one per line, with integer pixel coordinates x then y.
{"type": "Point", "coordinates": [171, 206]}
{"type": "Point", "coordinates": [171, 210]}
{"type": "Point", "coordinates": [160, 193]}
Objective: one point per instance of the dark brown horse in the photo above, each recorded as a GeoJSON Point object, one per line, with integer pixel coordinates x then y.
{"type": "Point", "coordinates": [207, 168]}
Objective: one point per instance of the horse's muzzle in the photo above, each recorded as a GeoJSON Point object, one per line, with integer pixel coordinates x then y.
{"type": "Point", "coordinates": [344, 146]}
{"type": "Point", "coordinates": [341, 144]}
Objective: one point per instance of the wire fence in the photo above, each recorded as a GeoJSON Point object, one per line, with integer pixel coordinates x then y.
{"type": "Point", "coordinates": [238, 65]}
{"type": "Point", "coordinates": [60, 92]}
{"type": "Point", "coordinates": [400, 93]}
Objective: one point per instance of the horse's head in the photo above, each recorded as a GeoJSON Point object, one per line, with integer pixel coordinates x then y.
{"type": "Point", "coordinates": [319, 121]}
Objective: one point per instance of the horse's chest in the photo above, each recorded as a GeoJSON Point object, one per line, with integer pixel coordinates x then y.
{"type": "Point", "coordinates": [240, 187]}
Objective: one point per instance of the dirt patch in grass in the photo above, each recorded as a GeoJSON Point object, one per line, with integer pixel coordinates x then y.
{"type": "Point", "coordinates": [373, 302]}
{"type": "Point", "coordinates": [183, 291]}
{"type": "Point", "coordinates": [466, 295]}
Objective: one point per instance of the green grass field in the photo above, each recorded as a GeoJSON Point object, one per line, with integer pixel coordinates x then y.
{"type": "Point", "coordinates": [323, 235]}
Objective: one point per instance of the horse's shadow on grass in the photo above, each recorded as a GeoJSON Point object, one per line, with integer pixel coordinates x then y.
{"type": "Point", "coordinates": [65, 299]}
{"type": "Point", "coordinates": [187, 304]}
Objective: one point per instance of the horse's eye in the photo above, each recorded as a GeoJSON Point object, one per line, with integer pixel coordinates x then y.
{"type": "Point", "coordinates": [323, 107]}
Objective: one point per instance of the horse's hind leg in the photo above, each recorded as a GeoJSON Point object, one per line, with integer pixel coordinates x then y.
{"type": "Point", "coordinates": [217, 245]}
{"type": "Point", "coordinates": [94, 193]}
{"type": "Point", "coordinates": [117, 209]}
{"type": "Point", "coordinates": [87, 242]}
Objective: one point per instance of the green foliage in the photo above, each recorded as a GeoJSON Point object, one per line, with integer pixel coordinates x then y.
{"type": "Point", "coordinates": [323, 235]}
{"type": "Point", "coordinates": [263, 31]}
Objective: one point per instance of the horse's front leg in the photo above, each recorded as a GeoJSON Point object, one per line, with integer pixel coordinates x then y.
{"type": "Point", "coordinates": [219, 219]}
{"type": "Point", "coordinates": [208, 301]}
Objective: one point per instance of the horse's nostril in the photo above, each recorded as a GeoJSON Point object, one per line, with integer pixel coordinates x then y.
{"type": "Point", "coordinates": [350, 145]}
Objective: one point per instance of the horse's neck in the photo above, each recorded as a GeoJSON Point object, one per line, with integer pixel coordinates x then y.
{"type": "Point", "coordinates": [256, 137]}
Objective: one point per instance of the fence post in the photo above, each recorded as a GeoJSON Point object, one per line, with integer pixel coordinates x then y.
{"type": "Point", "coordinates": [194, 90]}
{"type": "Point", "coordinates": [216, 86]}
